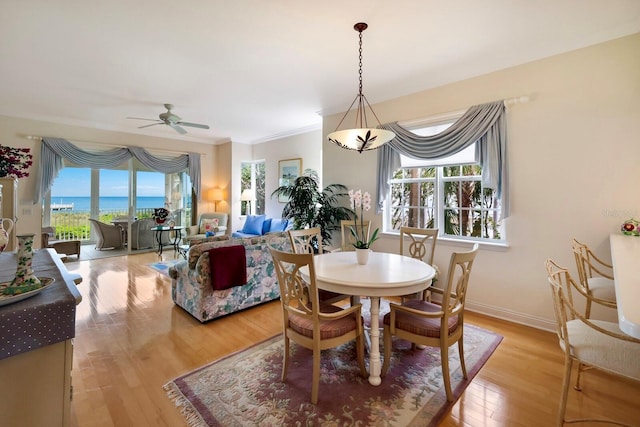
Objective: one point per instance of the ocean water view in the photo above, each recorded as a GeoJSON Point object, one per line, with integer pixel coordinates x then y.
{"type": "Point", "coordinates": [83, 204]}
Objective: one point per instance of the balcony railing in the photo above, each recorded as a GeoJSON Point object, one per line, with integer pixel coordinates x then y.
{"type": "Point", "coordinates": [72, 225]}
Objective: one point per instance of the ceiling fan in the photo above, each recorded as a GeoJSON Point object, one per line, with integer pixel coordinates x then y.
{"type": "Point", "coordinates": [170, 119]}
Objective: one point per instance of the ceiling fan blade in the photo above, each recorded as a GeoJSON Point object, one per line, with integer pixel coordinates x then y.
{"type": "Point", "coordinates": [152, 124]}
{"type": "Point", "coordinates": [140, 118]}
{"type": "Point", "coordinates": [193, 125]}
{"type": "Point", "coordinates": [177, 128]}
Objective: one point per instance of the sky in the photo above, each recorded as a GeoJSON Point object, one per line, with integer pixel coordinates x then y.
{"type": "Point", "coordinates": [75, 182]}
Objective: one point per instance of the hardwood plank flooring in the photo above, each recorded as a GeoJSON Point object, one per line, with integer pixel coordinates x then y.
{"type": "Point", "coordinates": [131, 339]}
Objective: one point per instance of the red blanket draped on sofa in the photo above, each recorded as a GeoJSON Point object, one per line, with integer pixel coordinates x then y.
{"type": "Point", "coordinates": [228, 267]}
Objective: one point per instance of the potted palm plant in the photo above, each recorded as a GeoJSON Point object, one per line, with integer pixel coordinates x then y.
{"type": "Point", "coordinates": [310, 207]}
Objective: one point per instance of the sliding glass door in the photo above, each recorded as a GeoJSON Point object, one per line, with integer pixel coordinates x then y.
{"type": "Point", "coordinates": [125, 194]}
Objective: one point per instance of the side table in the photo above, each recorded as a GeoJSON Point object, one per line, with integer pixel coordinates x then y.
{"type": "Point", "coordinates": [175, 240]}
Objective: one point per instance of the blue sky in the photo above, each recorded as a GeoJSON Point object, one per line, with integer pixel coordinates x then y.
{"type": "Point", "coordinates": [75, 182]}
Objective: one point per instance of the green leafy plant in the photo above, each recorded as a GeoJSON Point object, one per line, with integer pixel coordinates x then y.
{"type": "Point", "coordinates": [310, 207]}
{"type": "Point", "coordinates": [362, 201]}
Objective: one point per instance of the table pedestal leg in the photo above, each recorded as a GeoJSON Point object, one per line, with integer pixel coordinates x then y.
{"type": "Point", "coordinates": [374, 354]}
{"type": "Point", "coordinates": [159, 241]}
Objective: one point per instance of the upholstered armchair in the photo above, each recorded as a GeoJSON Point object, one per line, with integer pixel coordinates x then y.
{"type": "Point", "coordinates": [215, 222]}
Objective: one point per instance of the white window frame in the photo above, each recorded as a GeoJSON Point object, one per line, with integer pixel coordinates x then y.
{"type": "Point", "coordinates": [422, 128]}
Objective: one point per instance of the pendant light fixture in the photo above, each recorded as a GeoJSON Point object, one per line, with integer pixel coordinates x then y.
{"type": "Point", "coordinates": [361, 137]}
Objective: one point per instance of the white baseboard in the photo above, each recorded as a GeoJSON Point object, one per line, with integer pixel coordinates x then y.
{"type": "Point", "coordinates": [512, 316]}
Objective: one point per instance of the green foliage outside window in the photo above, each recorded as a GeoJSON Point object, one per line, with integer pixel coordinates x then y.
{"type": "Point", "coordinates": [467, 209]}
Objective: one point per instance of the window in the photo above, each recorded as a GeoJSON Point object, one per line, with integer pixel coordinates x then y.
{"type": "Point", "coordinates": [78, 194]}
{"type": "Point", "coordinates": [446, 194]}
{"type": "Point", "coordinates": [253, 177]}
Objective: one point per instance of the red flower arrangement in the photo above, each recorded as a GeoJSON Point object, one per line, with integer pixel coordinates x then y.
{"type": "Point", "coordinates": [14, 162]}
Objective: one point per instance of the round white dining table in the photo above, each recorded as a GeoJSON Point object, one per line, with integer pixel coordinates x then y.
{"type": "Point", "coordinates": [384, 275]}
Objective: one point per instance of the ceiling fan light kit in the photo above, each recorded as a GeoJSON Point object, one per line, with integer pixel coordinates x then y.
{"type": "Point", "coordinates": [170, 119]}
{"type": "Point", "coordinates": [361, 137]}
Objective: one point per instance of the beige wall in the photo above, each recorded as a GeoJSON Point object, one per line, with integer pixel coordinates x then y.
{"type": "Point", "coordinates": [13, 133]}
{"type": "Point", "coordinates": [307, 146]}
{"type": "Point", "coordinates": [573, 157]}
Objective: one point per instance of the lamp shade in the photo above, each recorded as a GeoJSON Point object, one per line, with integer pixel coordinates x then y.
{"type": "Point", "coordinates": [362, 139]}
{"type": "Point", "coordinates": [247, 195]}
{"type": "Point", "coordinates": [215, 195]}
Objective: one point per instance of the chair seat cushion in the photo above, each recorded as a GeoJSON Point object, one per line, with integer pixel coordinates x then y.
{"type": "Point", "coordinates": [420, 325]}
{"type": "Point", "coordinates": [603, 351]}
{"type": "Point", "coordinates": [602, 288]}
{"type": "Point", "coordinates": [328, 328]}
{"type": "Point", "coordinates": [69, 247]}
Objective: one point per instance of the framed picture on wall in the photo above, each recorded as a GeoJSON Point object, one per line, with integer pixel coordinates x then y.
{"type": "Point", "coordinates": [288, 171]}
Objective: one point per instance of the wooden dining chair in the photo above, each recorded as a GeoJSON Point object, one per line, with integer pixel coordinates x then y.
{"type": "Point", "coordinates": [419, 243]}
{"type": "Point", "coordinates": [309, 323]}
{"type": "Point", "coordinates": [431, 324]}
{"type": "Point", "coordinates": [592, 343]}
{"type": "Point", "coordinates": [306, 241]}
{"type": "Point", "coordinates": [347, 240]}
{"type": "Point", "coordinates": [596, 278]}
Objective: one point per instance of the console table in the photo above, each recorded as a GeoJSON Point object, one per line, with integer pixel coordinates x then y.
{"type": "Point", "coordinates": [625, 252]}
{"type": "Point", "coordinates": [36, 347]}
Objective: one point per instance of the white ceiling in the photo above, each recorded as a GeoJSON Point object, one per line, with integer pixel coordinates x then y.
{"type": "Point", "coordinates": [254, 69]}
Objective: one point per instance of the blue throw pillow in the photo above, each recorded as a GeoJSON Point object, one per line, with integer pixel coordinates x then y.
{"type": "Point", "coordinates": [278, 224]}
{"type": "Point", "coordinates": [266, 226]}
{"type": "Point", "coordinates": [253, 224]}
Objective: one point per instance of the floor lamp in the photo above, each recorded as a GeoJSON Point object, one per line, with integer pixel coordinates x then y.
{"type": "Point", "coordinates": [215, 195]}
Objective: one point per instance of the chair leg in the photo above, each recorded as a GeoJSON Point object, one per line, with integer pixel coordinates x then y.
{"type": "Point", "coordinates": [285, 358]}
{"type": "Point", "coordinates": [315, 384]}
{"type": "Point", "coordinates": [568, 365]}
{"type": "Point", "coordinates": [387, 350]}
{"type": "Point", "coordinates": [444, 355]}
{"type": "Point", "coordinates": [587, 310]}
{"type": "Point", "coordinates": [581, 367]}
{"type": "Point", "coordinates": [461, 354]}
{"type": "Point", "coordinates": [360, 355]}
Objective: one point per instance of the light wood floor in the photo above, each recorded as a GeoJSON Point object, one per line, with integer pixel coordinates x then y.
{"type": "Point", "coordinates": [131, 339]}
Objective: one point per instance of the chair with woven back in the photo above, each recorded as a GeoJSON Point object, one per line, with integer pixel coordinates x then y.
{"type": "Point", "coordinates": [66, 247]}
{"type": "Point", "coordinates": [108, 236]}
{"type": "Point", "coordinates": [420, 244]}
{"type": "Point", "coordinates": [595, 344]}
{"type": "Point", "coordinates": [309, 241]}
{"type": "Point", "coordinates": [435, 325]}
{"type": "Point", "coordinates": [308, 322]}
{"type": "Point", "coordinates": [596, 277]}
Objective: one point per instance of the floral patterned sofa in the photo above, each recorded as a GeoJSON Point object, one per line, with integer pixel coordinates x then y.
{"type": "Point", "coordinates": [191, 284]}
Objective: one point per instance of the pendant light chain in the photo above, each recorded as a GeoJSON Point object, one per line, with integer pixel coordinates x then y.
{"type": "Point", "coordinates": [360, 63]}
{"type": "Point", "coordinates": [361, 116]}
{"type": "Point", "coordinates": [361, 137]}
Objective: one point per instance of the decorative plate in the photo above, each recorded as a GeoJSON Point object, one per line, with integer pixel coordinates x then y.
{"type": "Point", "coordinates": [9, 299]}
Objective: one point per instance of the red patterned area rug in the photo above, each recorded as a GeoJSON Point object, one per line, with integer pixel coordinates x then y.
{"type": "Point", "coordinates": [244, 389]}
